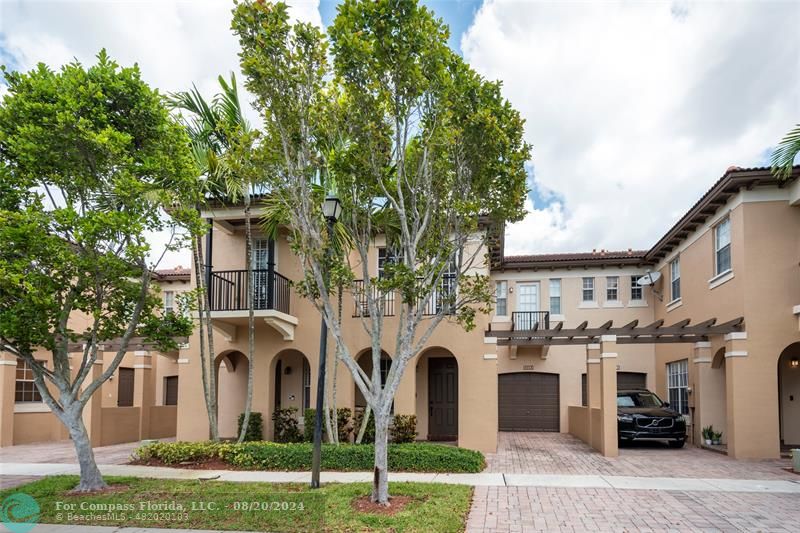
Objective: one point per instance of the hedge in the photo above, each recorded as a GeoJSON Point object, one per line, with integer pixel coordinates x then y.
{"type": "Point", "coordinates": [412, 457]}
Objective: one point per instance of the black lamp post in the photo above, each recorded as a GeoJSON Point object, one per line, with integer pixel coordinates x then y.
{"type": "Point", "coordinates": [332, 209]}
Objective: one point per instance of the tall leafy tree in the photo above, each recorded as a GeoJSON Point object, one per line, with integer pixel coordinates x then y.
{"type": "Point", "coordinates": [429, 155]}
{"type": "Point", "coordinates": [86, 156]}
{"type": "Point", "coordinates": [215, 129]}
{"type": "Point", "coordinates": [786, 152]}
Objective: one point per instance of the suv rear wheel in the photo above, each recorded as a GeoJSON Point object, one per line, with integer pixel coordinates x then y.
{"type": "Point", "coordinates": [677, 443]}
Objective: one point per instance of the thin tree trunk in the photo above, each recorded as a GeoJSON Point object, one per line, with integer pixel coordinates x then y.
{"type": "Point", "coordinates": [212, 373]}
{"type": "Point", "coordinates": [364, 422]}
{"type": "Point", "coordinates": [207, 392]}
{"type": "Point", "coordinates": [332, 436]}
{"type": "Point", "coordinates": [251, 325]}
{"type": "Point", "coordinates": [336, 354]}
{"type": "Point", "coordinates": [91, 479]}
{"type": "Point", "coordinates": [380, 481]}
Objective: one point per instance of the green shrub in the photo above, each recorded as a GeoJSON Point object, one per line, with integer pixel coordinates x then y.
{"type": "Point", "coordinates": [343, 419]}
{"type": "Point", "coordinates": [255, 427]}
{"type": "Point", "coordinates": [403, 429]}
{"type": "Point", "coordinates": [369, 433]}
{"type": "Point", "coordinates": [414, 457]}
{"type": "Point", "coordinates": [286, 428]}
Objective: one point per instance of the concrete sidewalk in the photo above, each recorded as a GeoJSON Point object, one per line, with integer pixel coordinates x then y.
{"type": "Point", "coordinates": [478, 480]}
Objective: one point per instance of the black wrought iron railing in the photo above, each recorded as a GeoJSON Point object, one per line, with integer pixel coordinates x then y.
{"type": "Point", "coordinates": [228, 290]}
{"type": "Point", "coordinates": [442, 298]}
{"type": "Point", "coordinates": [530, 320]}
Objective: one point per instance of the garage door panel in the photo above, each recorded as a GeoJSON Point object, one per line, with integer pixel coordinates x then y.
{"type": "Point", "coordinates": [529, 401]}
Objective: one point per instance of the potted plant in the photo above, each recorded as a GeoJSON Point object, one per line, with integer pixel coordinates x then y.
{"type": "Point", "coordinates": [716, 439]}
{"type": "Point", "coordinates": [708, 435]}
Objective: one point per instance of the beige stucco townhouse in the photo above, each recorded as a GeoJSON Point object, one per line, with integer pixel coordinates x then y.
{"type": "Point", "coordinates": [717, 335]}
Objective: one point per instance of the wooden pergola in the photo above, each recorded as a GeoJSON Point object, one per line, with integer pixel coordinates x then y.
{"type": "Point", "coordinates": [631, 333]}
{"type": "Point", "coordinates": [112, 345]}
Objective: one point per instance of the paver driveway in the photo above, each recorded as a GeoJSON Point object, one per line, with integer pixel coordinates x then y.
{"type": "Point", "coordinates": [509, 509]}
{"type": "Point", "coordinates": [561, 453]}
{"type": "Point", "coordinates": [58, 452]}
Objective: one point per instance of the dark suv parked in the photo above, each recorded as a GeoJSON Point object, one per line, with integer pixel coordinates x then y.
{"type": "Point", "coordinates": [642, 415]}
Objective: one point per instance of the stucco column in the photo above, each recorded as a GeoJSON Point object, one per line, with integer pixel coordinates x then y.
{"type": "Point", "coordinates": [405, 397]}
{"type": "Point", "coordinates": [608, 395]}
{"type": "Point", "coordinates": [8, 377]}
{"type": "Point", "coordinates": [192, 416]}
{"type": "Point", "coordinates": [93, 411]}
{"type": "Point", "coordinates": [263, 390]}
{"type": "Point", "coordinates": [143, 389]}
{"type": "Point", "coordinates": [593, 431]}
{"type": "Point", "coordinates": [698, 398]}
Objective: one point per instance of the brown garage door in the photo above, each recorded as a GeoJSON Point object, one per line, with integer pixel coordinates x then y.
{"type": "Point", "coordinates": [528, 401]}
{"type": "Point", "coordinates": [631, 380]}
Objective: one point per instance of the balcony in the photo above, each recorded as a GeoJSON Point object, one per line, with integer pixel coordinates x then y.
{"type": "Point", "coordinates": [228, 291]}
{"type": "Point", "coordinates": [440, 298]}
{"type": "Point", "coordinates": [530, 320]}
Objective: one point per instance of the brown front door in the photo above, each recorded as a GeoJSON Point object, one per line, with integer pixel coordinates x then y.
{"type": "Point", "coordinates": [442, 398]}
{"type": "Point", "coordinates": [125, 387]}
{"type": "Point", "coordinates": [528, 401]}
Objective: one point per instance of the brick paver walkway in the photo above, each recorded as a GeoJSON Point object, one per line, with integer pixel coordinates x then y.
{"type": "Point", "coordinates": [511, 509]}
{"type": "Point", "coordinates": [560, 453]}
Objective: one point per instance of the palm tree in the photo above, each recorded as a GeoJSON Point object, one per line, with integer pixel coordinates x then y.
{"type": "Point", "coordinates": [214, 129]}
{"type": "Point", "coordinates": [784, 155]}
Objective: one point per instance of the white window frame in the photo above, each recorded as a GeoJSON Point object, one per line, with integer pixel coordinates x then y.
{"type": "Point", "coordinates": [614, 288]}
{"type": "Point", "coordinates": [584, 289]}
{"type": "Point", "coordinates": [678, 385]}
{"type": "Point", "coordinates": [169, 301]}
{"type": "Point", "coordinates": [725, 222]}
{"type": "Point", "coordinates": [675, 279]}
{"type": "Point", "coordinates": [501, 295]}
{"type": "Point", "coordinates": [635, 286]}
{"type": "Point", "coordinates": [554, 288]}
{"type": "Point", "coordinates": [388, 255]}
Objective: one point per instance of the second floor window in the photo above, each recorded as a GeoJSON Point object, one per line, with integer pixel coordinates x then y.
{"type": "Point", "coordinates": [169, 301]}
{"type": "Point", "coordinates": [260, 254]}
{"type": "Point", "coordinates": [612, 288]}
{"type": "Point", "coordinates": [722, 247]}
{"type": "Point", "coordinates": [675, 278]}
{"type": "Point", "coordinates": [25, 390]}
{"type": "Point", "coordinates": [386, 256]}
{"type": "Point", "coordinates": [636, 289]}
{"type": "Point", "coordinates": [501, 297]}
{"type": "Point", "coordinates": [588, 289]}
{"type": "Point", "coordinates": [555, 296]}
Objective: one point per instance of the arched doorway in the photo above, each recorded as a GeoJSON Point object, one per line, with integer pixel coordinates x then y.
{"type": "Point", "coordinates": [715, 408]}
{"type": "Point", "coordinates": [437, 395]}
{"type": "Point", "coordinates": [364, 360]}
{"type": "Point", "coordinates": [231, 368]}
{"type": "Point", "coordinates": [291, 380]}
{"type": "Point", "coordinates": [789, 395]}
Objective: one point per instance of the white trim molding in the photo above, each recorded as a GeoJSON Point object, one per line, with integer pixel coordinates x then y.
{"type": "Point", "coordinates": [489, 356]}
{"type": "Point", "coordinates": [720, 279]}
{"type": "Point", "coordinates": [593, 361]}
{"type": "Point", "coordinates": [141, 353]}
{"type": "Point", "coordinates": [8, 363]}
{"type": "Point", "coordinates": [593, 346]}
{"type": "Point", "coordinates": [146, 367]}
{"type": "Point", "coordinates": [31, 407]}
{"type": "Point", "coordinates": [736, 336]}
{"type": "Point", "coordinates": [608, 355]}
{"type": "Point", "coordinates": [182, 361]}
{"type": "Point", "coordinates": [702, 344]}
{"type": "Point", "coordinates": [608, 338]}
{"type": "Point", "coordinates": [674, 304]}
{"type": "Point", "coordinates": [697, 360]}
{"type": "Point", "coordinates": [796, 310]}
{"type": "Point", "coordinates": [490, 340]}
{"type": "Point", "coordinates": [736, 353]}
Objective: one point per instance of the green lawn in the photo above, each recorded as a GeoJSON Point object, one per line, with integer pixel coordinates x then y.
{"type": "Point", "coordinates": [270, 506]}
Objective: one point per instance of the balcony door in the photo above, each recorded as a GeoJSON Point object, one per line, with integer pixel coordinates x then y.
{"type": "Point", "coordinates": [527, 304]}
{"type": "Point", "coordinates": [260, 260]}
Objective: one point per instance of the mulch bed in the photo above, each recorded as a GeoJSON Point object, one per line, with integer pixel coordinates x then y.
{"type": "Point", "coordinates": [397, 504]}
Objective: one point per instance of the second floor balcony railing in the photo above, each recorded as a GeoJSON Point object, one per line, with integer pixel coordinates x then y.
{"type": "Point", "coordinates": [530, 320]}
{"type": "Point", "coordinates": [228, 290]}
{"type": "Point", "coordinates": [442, 297]}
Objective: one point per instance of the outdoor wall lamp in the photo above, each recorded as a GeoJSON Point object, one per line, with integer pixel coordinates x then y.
{"type": "Point", "coordinates": [287, 370]}
{"type": "Point", "coordinates": [795, 362]}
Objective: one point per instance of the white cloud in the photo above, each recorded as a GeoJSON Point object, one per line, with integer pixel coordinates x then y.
{"type": "Point", "coordinates": [175, 43]}
{"type": "Point", "coordinates": [635, 109]}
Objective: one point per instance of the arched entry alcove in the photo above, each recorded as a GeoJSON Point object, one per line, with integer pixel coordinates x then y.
{"type": "Point", "coordinates": [715, 411]}
{"type": "Point", "coordinates": [364, 360]}
{"type": "Point", "coordinates": [437, 395]}
{"type": "Point", "coordinates": [290, 372]}
{"type": "Point", "coordinates": [789, 395]}
{"type": "Point", "coordinates": [231, 368]}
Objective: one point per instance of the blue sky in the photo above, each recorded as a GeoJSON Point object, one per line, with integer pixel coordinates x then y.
{"type": "Point", "coordinates": [633, 109]}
